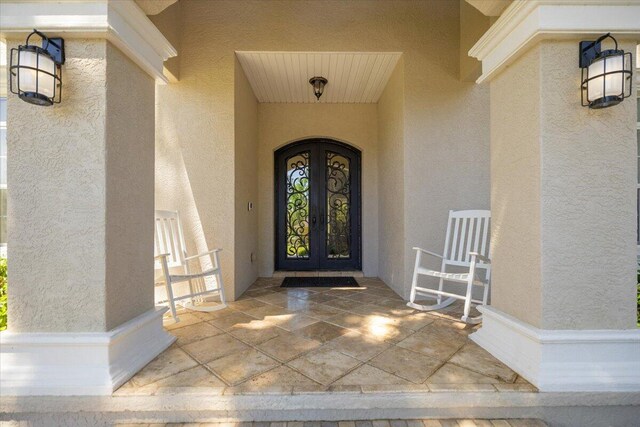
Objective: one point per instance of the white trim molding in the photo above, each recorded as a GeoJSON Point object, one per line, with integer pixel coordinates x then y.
{"type": "Point", "coordinates": [121, 22]}
{"type": "Point", "coordinates": [526, 22]}
{"type": "Point", "coordinates": [563, 360]}
{"type": "Point", "coordinates": [490, 7]}
{"type": "Point", "coordinates": [84, 363]}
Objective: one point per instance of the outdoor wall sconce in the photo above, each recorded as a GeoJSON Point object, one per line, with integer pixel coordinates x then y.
{"type": "Point", "coordinates": [36, 72]}
{"type": "Point", "coordinates": [606, 75]}
{"type": "Point", "coordinates": [318, 84]}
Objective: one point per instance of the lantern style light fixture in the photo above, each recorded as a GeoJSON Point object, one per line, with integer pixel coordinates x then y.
{"type": "Point", "coordinates": [36, 72]}
{"type": "Point", "coordinates": [318, 84]}
{"type": "Point", "coordinates": [606, 74]}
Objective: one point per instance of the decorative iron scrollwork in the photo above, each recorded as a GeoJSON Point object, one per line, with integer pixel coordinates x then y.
{"type": "Point", "coordinates": [338, 231]}
{"type": "Point", "coordinates": [297, 200]}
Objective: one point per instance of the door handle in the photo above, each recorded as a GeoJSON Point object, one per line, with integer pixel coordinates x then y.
{"type": "Point", "coordinates": [313, 218]}
{"type": "Point", "coordinates": [322, 219]}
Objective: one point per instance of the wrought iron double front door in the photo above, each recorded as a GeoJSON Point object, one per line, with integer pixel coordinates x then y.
{"type": "Point", "coordinates": [318, 206]}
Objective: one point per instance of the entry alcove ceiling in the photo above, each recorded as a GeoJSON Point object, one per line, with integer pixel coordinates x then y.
{"type": "Point", "coordinates": [283, 77]}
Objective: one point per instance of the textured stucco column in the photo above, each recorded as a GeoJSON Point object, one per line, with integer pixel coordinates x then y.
{"type": "Point", "coordinates": [563, 234]}
{"type": "Point", "coordinates": [81, 309]}
{"type": "Point", "coordinates": [563, 179]}
{"type": "Point", "coordinates": [81, 201]}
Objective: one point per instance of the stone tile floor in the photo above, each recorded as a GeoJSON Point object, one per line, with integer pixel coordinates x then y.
{"type": "Point", "coordinates": [367, 423]}
{"type": "Point", "coordinates": [301, 340]}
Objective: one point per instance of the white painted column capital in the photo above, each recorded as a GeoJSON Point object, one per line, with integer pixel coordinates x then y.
{"type": "Point", "coordinates": [527, 22]}
{"type": "Point", "coordinates": [121, 22]}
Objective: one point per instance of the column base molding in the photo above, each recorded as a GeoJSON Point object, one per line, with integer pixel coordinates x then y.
{"type": "Point", "coordinates": [83, 363]}
{"type": "Point", "coordinates": [563, 360]}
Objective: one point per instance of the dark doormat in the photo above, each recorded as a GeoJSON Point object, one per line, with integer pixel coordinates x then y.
{"type": "Point", "coordinates": [319, 282]}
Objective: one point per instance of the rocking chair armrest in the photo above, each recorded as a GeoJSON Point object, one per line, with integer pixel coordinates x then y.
{"type": "Point", "coordinates": [428, 252]}
{"type": "Point", "coordinates": [480, 257]}
{"type": "Point", "coordinates": [192, 257]}
{"type": "Point", "coordinates": [160, 256]}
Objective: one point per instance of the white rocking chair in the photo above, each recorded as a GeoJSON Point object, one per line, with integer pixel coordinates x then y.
{"type": "Point", "coordinates": [466, 246]}
{"type": "Point", "coordinates": [171, 252]}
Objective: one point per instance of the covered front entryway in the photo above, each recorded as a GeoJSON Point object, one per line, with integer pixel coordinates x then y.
{"type": "Point", "coordinates": [317, 201]}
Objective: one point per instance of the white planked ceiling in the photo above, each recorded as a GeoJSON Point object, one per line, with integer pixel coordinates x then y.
{"type": "Point", "coordinates": [283, 77]}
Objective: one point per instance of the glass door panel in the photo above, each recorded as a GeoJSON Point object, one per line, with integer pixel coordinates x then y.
{"type": "Point", "coordinates": [298, 206]}
{"type": "Point", "coordinates": [338, 195]}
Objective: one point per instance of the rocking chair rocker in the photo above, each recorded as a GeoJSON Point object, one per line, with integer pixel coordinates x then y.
{"type": "Point", "coordinates": [466, 246]}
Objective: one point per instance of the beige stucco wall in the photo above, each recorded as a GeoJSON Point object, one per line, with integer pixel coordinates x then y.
{"type": "Point", "coordinates": [473, 25]}
{"type": "Point", "coordinates": [563, 197]}
{"type": "Point", "coordinates": [246, 178]}
{"type": "Point", "coordinates": [446, 134]}
{"type": "Point", "coordinates": [354, 124]}
{"type": "Point", "coordinates": [81, 179]}
{"type": "Point", "coordinates": [130, 141]}
{"type": "Point", "coordinates": [391, 174]}
{"type": "Point", "coordinates": [515, 190]}
{"type": "Point", "coordinates": [170, 21]}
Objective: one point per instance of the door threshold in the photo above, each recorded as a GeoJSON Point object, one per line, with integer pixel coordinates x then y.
{"type": "Point", "coordinates": [318, 273]}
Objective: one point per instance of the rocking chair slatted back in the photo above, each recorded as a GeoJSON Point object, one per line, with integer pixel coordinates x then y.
{"type": "Point", "coordinates": [169, 238]}
{"type": "Point", "coordinates": [467, 231]}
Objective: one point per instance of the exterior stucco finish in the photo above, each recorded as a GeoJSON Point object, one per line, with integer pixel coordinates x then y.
{"type": "Point", "coordinates": [446, 123]}
{"type": "Point", "coordinates": [563, 182]}
{"type": "Point", "coordinates": [246, 177]}
{"type": "Point", "coordinates": [354, 124]}
{"type": "Point", "coordinates": [81, 179]}
{"type": "Point", "coordinates": [516, 276]}
{"type": "Point", "coordinates": [588, 202]}
{"type": "Point", "coordinates": [390, 171]}
{"type": "Point", "coordinates": [129, 145]}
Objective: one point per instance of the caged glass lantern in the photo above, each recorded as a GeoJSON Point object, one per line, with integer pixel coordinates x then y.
{"type": "Point", "coordinates": [606, 75]}
{"type": "Point", "coordinates": [36, 72]}
{"type": "Point", "coordinates": [318, 84]}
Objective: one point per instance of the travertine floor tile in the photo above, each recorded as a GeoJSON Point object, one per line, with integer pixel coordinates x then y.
{"type": "Point", "coordinates": [276, 340]}
{"type": "Point", "coordinates": [406, 364]}
{"type": "Point", "coordinates": [518, 387]}
{"type": "Point", "coordinates": [321, 312]}
{"type": "Point", "coordinates": [280, 376]}
{"type": "Point", "coordinates": [255, 332]}
{"type": "Point", "coordinates": [342, 304]}
{"type": "Point", "coordinates": [321, 331]}
{"type": "Point", "coordinates": [368, 375]}
{"type": "Point", "coordinates": [278, 298]}
{"type": "Point", "coordinates": [253, 293]}
{"type": "Point", "coordinates": [348, 320]}
{"type": "Point", "coordinates": [357, 345]}
{"type": "Point", "coordinates": [476, 359]}
{"type": "Point", "coordinates": [288, 346]}
{"type": "Point", "coordinates": [296, 304]}
{"type": "Point", "coordinates": [453, 374]}
{"type": "Point", "coordinates": [381, 328]}
{"type": "Point", "coordinates": [241, 366]}
{"type": "Point", "coordinates": [320, 298]}
{"type": "Point", "coordinates": [234, 318]}
{"type": "Point", "coordinates": [292, 322]}
{"type": "Point", "coordinates": [169, 362]}
{"type": "Point", "coordinates": [212, 348]}
{"type": "Point", "coordinates": [210, 315]}
{"type": "Point", "coordinates": [186, 319]}
{"type": "Point", "coordinates": [194, 377]}
{"type": "Point", "coordinates": [195, 332]}
{"type": "Point", "coordinates": [246, 304]}
{"type": "Point", "coordinates": [267, 310]}
{"type": "Point", "coordinates": [437, 343]}
{"type": "Point", "coordinates": [324, 365]}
